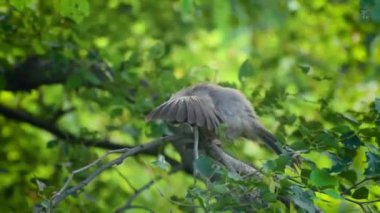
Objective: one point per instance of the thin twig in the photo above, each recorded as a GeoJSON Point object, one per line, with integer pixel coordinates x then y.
{"type": "Point", "coordinates": [66, 192]}
{"type": "Point", "coordinates": [146, 186]}
{"type": "Point", "coordinates": [359, 183]}
{"type": "Point", "coordinates": [126, 179]}
{"type": "Point", "coordinates": [141, 207]}
{"type": "Point", "coordinates": [73, 173]}
{"type": "Point", "coordinates": [356, 202]}
{"type": "Point", "coordinates": [362, 202]}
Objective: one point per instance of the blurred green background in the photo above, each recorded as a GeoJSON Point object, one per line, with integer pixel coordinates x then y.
{"type": "Point", "coordinates": [94, 69]}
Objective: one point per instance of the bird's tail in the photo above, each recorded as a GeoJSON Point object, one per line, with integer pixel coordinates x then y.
{"type": "Point", "coordinates": [268, 138]}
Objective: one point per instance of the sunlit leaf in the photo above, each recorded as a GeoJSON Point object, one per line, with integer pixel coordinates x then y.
{"type": "Point", "coordinates": [186, 6]}
{"type": "Point", "coordinates": [74, 9]}
{"type": "Point", "coordinates": [322, 178]}
{"type": "Point", "coordinates": [333, 193]}
{"type": "Point", "coordinates": [20, 4]}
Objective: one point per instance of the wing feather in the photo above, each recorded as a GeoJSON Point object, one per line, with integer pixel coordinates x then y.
{"type": "Point", "coordinates": [182, 111]}
{"type": "Point", "coordinates": [194, 110]}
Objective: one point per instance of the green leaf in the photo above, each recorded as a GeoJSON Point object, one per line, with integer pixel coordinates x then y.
{"type": "Point", "coordinates": [205, 166]}
{"type": "Point", "coordinates": [350, 119]}
{"type": "Point", "coordinates": [161, 163]}
{"type": "Point", "coordinates": [375, 14]}
{"type": "Point", "coordinates": [305, 68]}
{"type": "Point", "coordinates": [186, 6]}
{"type": "Point", "coordinates": [220, 188]}
{"type": "Point", "coordinates": [41, 185]}
{"type": "Point", "coordinates": [269, 197]}
{"type": "Point", "coordinates": [350, 140]}
{"type": "Point", "coordinates": [300, 145]}
{"type": "Point", "coordinates": [52, 143]}
{"type": "Point", "coordinates": [373, 164]}
{"type": "Point", "coordinates": [339, 164]}
{"type": "Point", "coordinates": [341, 129]}
{"type": "Point", "coordinates": [370, 132]}
{"type": "Point", "coordinates": [302, 198]}
{"type": "Point", "coordinates": [377, 105]}
{"type": "Point", "coordinates": [116, 112]}
{"type": "Point", "coordinates": [235, 177]}
{"type": "Point", "coordinates": [73, 9]}
{"type": "Point", "coordinates": [157, 51]}
{"type": "Point", "coordinates": [321, 178]}
{"type": "Point", "coordinates": [91, 78]}
{"type": "Point", "coordinates": [246, 70]}
{"type": "Point", "coordinates": [333, 193]}
{"type": "Point", "coordinates": [361, 193]}
{"type": "Point", "coordinates": [74, 81]}
{"type": "Point", "coordinates": [326, 140]}
{"type": "Point", "coordinates": [199, 194]}
{"type": "Point", "coordinates": [20, 4]}
{"type": "Point", "coordinates": [349, 175]}
{"type": "Point", "coordinates": [305, 174]}
{"type": "Point", "coordinates": [277, 165]}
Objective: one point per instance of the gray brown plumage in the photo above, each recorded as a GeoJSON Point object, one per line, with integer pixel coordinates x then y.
{"type": "Point", "coordinates": [209, 105]}
{"type": "Point", "coordinates": [188, 109]}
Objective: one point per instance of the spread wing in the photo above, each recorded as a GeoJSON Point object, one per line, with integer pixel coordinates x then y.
{"type": "Point", "coordinates": [188, 109]}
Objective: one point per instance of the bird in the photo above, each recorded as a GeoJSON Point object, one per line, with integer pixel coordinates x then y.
{"type": "Point", "coordinates": [208, 106]}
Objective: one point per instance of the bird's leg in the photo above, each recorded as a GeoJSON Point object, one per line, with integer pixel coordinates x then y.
{"type": "Point", "coordinates": [196, 151]}
{"type": "Point", "coordinates": [211, 136]}
{"type": "Point", "coordinates": [196, 143]}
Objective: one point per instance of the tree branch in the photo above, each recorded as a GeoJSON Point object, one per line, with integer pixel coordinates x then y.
{"type": "Point", "coordinates": [68, 137]}
{"type": "Point", "coordinates": [53, 68]}
{"type": "Point", "coordinates": [63, 193]}
{"type": "Point", "coordinates": [36, 71]}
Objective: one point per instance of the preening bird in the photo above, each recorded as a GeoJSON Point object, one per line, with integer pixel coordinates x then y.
{"type": "Point", "coordinates": [207, 106]}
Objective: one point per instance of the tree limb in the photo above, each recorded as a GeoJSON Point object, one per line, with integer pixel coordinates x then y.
{"type": "Point", "coordinates": [68, 137]}
{"type": "Point", "coordinates": [62, 194]}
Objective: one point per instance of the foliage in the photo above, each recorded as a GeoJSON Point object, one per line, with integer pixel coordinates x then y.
{"type": "Point", "coordinates": [91, 70]}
